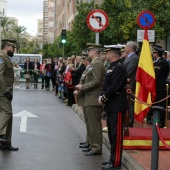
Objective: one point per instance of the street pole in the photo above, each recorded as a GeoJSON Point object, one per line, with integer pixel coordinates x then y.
{"type": "Point", "coordinates": [97, 38]}
{"type": "Point", "coordinates": [63, 51]}
{"type": "Point", "coordinates": [155, 138]}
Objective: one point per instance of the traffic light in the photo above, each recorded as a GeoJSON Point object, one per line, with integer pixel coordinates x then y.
{"type": "Point", "coordinates": [63, 36]}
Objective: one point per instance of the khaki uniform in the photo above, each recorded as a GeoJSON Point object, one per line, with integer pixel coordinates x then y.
{"type": "Point", "coordinates": [81, 100]}
{"type": "Point", "coordinates": [6, 85]}
{"type": "Point", "coordinates": [91, 88]}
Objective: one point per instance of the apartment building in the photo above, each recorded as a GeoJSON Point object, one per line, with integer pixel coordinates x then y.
{"type": "Point", "coordinates": [65, 12]}
{"type": "Point", "coordinates": [51, 10]}
{"type": "Point", "coordinates": [3, 7]}
{"type": "Point", "coordinates": [39, 36]}
{"type": "Point", "coordinates": [45, 21]}
{"type": "Point", "coordinates": [48, 21]}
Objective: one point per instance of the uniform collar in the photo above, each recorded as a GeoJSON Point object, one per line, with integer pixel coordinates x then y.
{"type": "Point", "coordinates": [115, 62]}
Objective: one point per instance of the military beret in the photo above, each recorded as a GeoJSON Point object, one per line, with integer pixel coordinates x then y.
{"type": "Point", "coordinates": [91, 45]}
{"type": "Point", "coordinates": [157, 49]}
{"type": "Point", "coordinates": [112, 47]}
{"type": "Point", "coordinates": [11, 42]}
{"type": "Point", "coordinates": [84, 54]}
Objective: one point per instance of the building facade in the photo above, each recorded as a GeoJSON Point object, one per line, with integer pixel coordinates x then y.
{"type": "Point", "coordinates": [3, 7]}
{"type": "Point", "coordinates": [48, 21]}
{"type": "Point", "coordinates": [45, 21]}
{"type": "Point", "coordinates": [39, 36]}
{"type": "Point", "coordinates": [65, 12]}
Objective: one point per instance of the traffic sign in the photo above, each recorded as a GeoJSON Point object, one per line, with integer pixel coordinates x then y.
{"type": "Point", "coordinates": [97, 20]}
{"type": "Point", "coordinates": [146, 19]}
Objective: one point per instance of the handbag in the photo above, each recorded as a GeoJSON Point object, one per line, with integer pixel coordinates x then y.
{"type": "Point", "coordinates": [27, 76]}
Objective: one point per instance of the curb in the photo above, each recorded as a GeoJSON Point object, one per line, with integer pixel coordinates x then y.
{"type": "Point", "coordinates": [127, 160]}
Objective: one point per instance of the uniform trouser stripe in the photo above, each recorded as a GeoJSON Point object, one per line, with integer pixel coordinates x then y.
{"type": "Point", "coordinates": [118, 140]}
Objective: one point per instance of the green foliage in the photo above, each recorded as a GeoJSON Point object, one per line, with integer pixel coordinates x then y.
{"type": "Point", "coordinates": [122, 24]}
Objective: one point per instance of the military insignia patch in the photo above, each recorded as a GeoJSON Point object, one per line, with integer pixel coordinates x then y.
{"type": "Point", "coordinates": [1, 61]}
{"type": "Point", "coordinates": [109, 71]}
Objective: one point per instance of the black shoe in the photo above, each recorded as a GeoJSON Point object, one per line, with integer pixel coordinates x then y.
{"type": "Point", "coordinates": [149, 122]}
{"type": "Point", "coordinates": [104, 163]}
{"type": "Point", "coordinates": [110, 166]}
{"type": "Point", "coordinates": [93, 153]}
{"type": "Point", "coordinates": [83, 142]}
{"type": "Point", "coordinates": [86, 150]}
{"type": "Point", "coordinates": [9, 148]}
{"type": "Point", "coordinates": [84, 146]}
{"type": "Point", "coordinates": [42, 87]}
{"type": "Point", "coordinates": [2, 138]}
{"type": "Point", "coordinates": [162, 125]}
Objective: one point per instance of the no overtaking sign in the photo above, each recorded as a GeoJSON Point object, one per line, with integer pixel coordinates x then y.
{"type": "Point", "coordinates": [97, 20]}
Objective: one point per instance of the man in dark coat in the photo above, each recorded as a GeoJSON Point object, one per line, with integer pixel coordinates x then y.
{"type": "Point", "coordinates": [113, 96]}
{"type": "Point", "coordinates": [131, 64]}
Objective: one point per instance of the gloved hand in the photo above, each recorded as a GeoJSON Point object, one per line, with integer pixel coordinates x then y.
{"type": "Point", "coordinates": [9, 95]}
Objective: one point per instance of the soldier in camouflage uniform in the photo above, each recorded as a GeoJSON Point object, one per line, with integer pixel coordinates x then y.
{"type": "Point", "coordinates": [6, 94]}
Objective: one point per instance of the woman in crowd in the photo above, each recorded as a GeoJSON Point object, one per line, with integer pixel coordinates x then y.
{"type": "Point", "coordinates": [36, 68]}
{"type": "Point", "coordinates": [49, 73]}
{"type": "Point", "coordinates": [43, 73]}
{"type": "Point", "coordinates": [68, 83]}
{"type": "Point", "coordinates": [28, 71]}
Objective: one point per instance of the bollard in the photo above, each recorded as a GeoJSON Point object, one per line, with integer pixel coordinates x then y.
{"type": "Point", "coordinates": [155, 138]}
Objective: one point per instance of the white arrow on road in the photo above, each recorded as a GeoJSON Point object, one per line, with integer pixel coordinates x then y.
{"type": "Point", "coordinates": [24, 115]}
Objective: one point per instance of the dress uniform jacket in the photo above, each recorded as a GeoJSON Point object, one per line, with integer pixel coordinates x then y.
{"type": "Point", "coordinates": [6, 74]}
{"type": "Point", "coordinates": [161, 67]}
{"type": "Point", "coordinates": [93, 82]}
{"type": "Point", "coordinates": [114, 87]}
{"type": "Point", "coordinates": [81, 96]}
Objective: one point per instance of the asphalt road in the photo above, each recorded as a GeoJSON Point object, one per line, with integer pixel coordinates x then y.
{"type": "Point", "coordinates": [49, 141]}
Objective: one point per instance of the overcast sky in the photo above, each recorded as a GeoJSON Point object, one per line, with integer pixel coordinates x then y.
{"type": "Point", "coordinates": [27, 12]}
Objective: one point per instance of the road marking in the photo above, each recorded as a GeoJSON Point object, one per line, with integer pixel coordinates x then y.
{"type": "Point", "coordinates": [24, 115]}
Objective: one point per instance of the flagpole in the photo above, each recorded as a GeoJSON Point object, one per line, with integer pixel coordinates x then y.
{"type": "Point", "coordinates": [155, 136]}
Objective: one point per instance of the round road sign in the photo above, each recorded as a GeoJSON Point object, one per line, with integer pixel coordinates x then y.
{"type": "Point", "coordinates": [97, 20]}
{"type": "Point", "coordinates": [146, 19]}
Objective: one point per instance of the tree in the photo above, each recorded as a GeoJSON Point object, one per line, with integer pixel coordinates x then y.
{"type": "Point", "coordinates": [80, 32]}
{"type": "Point", "coordinates": [6, 25]}
{"type": "Point", "coordinates": [20, 36]}
{"type": "Point", "coordinates": [122, 19]}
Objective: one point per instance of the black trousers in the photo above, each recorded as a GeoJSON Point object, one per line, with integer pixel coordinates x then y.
{"type": "Point", "coordinates": [70, 96]}
{"type": "Point", "coordinates": [115, 132]}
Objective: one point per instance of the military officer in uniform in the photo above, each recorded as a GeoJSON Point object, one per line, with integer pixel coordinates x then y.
{"type": "Point", "coordinates": [91, 88]}
{"type": "Point", "coordinates": [81, 99]}
{"type": "Point", "coordinates": [113, 96]}
{"type": "Point", "coordinates": [161, 68]}
{"type": "Point", "coordinates": [6, 94]}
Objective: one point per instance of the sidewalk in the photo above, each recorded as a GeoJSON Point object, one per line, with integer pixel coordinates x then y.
{"type": "Point", "coordinates": [134, 159]}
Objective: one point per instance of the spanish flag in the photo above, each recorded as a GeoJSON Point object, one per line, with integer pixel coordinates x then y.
{"type": "Point", "coordinates": [145, 81]}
